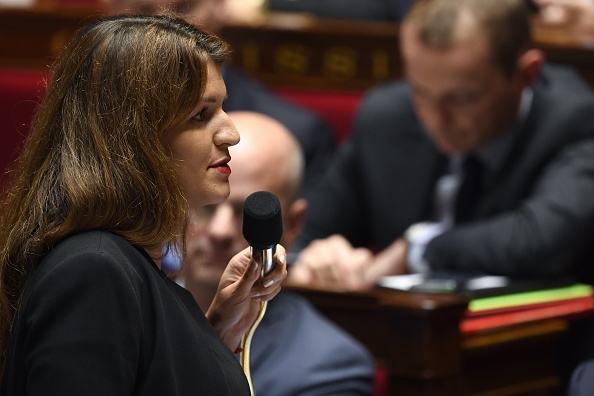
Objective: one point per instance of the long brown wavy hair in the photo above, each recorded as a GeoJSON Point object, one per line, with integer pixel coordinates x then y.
{"type": "Point", "coordinates": [95, 158]}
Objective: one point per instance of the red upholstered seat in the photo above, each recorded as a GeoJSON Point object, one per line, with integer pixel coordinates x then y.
{"type": "Point", "coordinates": [336, 107]}
{"type": "Point", "coordinates": [20, 92]}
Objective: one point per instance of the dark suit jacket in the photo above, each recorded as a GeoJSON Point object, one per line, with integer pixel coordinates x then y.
{"type": "Point", "coordinates": [99, 318]}
{"type": "Point", "coordinates": [298, 352]}
{"type": "Point", "coordinates": [535, 217]}
{"type": "Point", "coordinates": [315, 136]}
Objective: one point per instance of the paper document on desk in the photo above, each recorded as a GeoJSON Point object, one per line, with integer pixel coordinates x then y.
{"type": "Point", "coordinates": [471, 284]}
{"type": "Point", "coordinates": [443, 283]}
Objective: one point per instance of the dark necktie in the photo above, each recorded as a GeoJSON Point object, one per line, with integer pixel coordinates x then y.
{"type": "Point", "coordinates": [470, 189]}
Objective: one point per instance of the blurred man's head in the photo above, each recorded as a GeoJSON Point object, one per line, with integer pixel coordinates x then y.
{"type": "Point", "coordinates": [208, 14]}
{"type": "Point", "coordinates": [467, 62]}
{"type": "Point", "coordinates": [269, 158]}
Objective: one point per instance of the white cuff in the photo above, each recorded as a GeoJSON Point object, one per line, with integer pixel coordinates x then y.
{"type": "Point", "coordinates": [417, 237]}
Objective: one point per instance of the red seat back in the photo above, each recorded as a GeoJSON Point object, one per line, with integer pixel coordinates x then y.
{"type": "Point", "coordinates": [20, 93]}
{"type": "Point", "coordinates": [336, 107]}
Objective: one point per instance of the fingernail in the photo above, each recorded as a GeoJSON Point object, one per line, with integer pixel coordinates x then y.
{"type": "Point", "coordinates": [283, 259]}
{"type": "Point", "coordinates": [254, 266]}
{"type": "Point", "coordinates": [255, 294]}
{"type": "Point", "coordinates": [268, 282]}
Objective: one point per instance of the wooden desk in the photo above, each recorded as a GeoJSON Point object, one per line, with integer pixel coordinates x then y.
{"type": "Point", "coordinates": [416, 338]}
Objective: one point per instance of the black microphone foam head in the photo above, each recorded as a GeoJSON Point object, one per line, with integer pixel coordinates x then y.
{"type": "Point", "coordinates": [262, 220]}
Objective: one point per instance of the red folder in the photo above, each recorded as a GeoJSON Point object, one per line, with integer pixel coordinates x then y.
{"type": "Point", "coordinates": [505, 316]}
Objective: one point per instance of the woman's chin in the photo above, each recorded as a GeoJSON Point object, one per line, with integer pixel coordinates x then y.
{"type": "Point", "coordinates": [217, 197]}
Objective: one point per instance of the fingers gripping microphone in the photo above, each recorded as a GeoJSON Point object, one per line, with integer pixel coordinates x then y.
{"type": "Point", "coordinates": [262, 227]}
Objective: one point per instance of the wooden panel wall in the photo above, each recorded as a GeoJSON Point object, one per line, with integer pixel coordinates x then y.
{"type": "Point", "coordinates": [289, 51]}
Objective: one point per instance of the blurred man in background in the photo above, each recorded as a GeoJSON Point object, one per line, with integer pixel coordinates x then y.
{"type": "Point", "coordinates": [480, 161]}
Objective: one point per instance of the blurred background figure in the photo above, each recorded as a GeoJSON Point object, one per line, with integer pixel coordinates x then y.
{"type": "Point", "coordinates": [465, 165]}
{"type": "Point", "coordinates": [575, 15]}
{"type": "Point", "coordinates": [207, 14]}
{"type": "Point", "coordinates": [371, 10]}
{"type": "Point", "coordinates": [295, 350]}
{"type": "Point", "coordinates": [16, 3]}
{"type": "Point", "coordinates": [480, 161]}
{"type": "Point", "coordinates": [315, 136]}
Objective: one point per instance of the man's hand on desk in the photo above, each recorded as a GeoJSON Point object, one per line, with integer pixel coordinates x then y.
{"type": "Point", "coordinates": [390, 261]}
{"type": "Point", "coordinates": [335, 263]}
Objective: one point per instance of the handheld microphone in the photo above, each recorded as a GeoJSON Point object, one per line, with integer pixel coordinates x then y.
{"type": "Point", "coordinates": [262, 227]}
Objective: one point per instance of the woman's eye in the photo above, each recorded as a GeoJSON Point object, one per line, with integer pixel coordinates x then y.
{"type": "Point", "coordinates": [201, 115]}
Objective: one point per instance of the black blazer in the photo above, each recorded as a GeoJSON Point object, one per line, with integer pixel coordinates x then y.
{"type": "Point", "coordinates": [99, 318]}
{"type": "Point", "coordinates": [535, 217]}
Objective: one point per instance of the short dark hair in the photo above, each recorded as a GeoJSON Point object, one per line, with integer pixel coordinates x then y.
{"type": "Point", "coordinates": [505, 24]}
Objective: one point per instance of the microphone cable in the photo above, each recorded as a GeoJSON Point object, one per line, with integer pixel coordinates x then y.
{"type": "Point", "coordinates": [246, 344]}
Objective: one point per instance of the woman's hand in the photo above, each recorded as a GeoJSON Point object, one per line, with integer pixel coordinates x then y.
{"type": "Point", "coordinates": [237, 302]}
